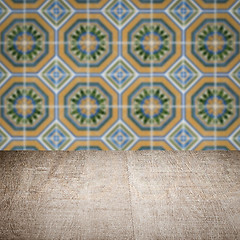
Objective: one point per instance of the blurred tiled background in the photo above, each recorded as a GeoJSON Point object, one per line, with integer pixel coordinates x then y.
{"type": "Point", "coordinates": [119, 74]}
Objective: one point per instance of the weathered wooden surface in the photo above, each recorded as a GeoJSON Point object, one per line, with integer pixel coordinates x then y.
{"type": "Point", "coordinates": [119, 195]}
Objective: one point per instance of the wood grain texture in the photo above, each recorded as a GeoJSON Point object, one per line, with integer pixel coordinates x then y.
{"type": "Point", "coordinates": [120, 195]}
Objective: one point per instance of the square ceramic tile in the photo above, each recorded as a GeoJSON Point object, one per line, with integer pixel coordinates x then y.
{"type": "Point", "coordinates": [119, 136]}
{"type": "Point", "coordinates": [183, 136]}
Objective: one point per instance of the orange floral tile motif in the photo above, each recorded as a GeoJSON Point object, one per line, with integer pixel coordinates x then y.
{"type": "Point", "coordinates": [215, 42]}
{"type": "Point", "coordinates": [26, 106]}
{"type": "Point", "coordinates": [28, 42]}
{"type": "Point", "coordinates": [119, 75]}
{"type": "Point", "coordinates": [152, 41]}
{"type": "Point", "coordinates": [88, 44]}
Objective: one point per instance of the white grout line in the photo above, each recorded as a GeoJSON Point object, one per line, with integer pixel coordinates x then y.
{"type": "Point", "coordinates": [55, 63]}
{"type": "Point", "coordinates": [119, 23]}
{"type": "Point", "coordinates": [132, 106]}
{"type": "Point", "coordinates": [24, 78]}
{"type": "Point", "coordinates": [183, 91]}
{"type": "Point", "coordinates": [215, 74]}
{"type": "Point", "coordinates": [88, 74]}
{"type": "Point", "coordinates": [116, 42]}
{"type": "Point", "coordinates": [151, 78]}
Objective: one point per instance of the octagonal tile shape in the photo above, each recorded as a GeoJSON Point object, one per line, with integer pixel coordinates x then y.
{"type": "Point", "coordinates": [78, 33]}
{"type": "Point", "coordinates": [15, 31]}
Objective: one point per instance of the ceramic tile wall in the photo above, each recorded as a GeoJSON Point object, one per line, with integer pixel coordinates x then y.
{"type": "Point", "coordinates": [119, 74]}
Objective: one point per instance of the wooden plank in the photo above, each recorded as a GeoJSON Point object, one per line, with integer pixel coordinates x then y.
{"type": "Point", "coordinates": [120, 195]}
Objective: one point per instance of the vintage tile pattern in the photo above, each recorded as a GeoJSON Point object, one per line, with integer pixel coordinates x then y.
{"type": "Point", "coordinates": [119, 74]}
